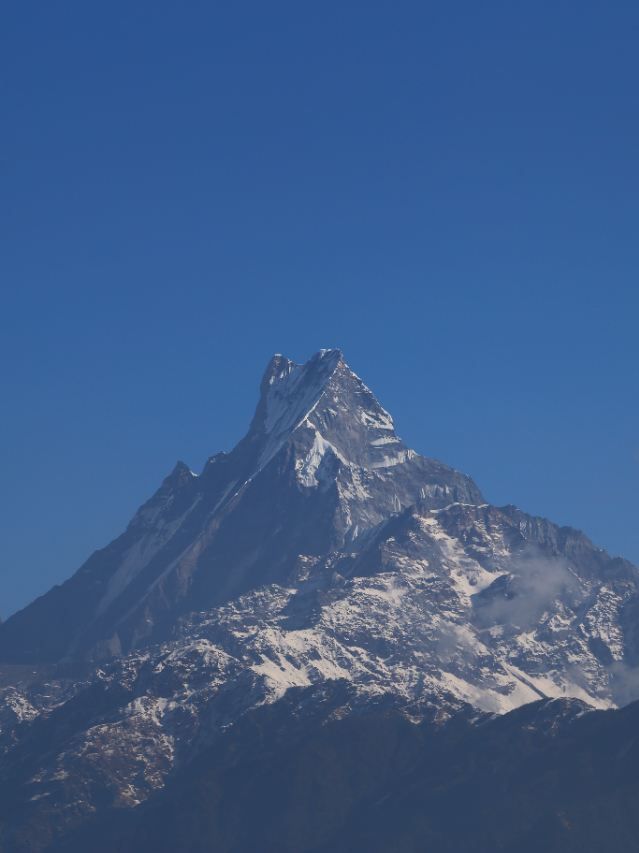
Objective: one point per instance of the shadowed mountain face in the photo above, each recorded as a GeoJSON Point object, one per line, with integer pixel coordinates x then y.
{"type": "Point", "coordinates": [320, 571]}
{"type": "Point", "coordinates": [544, 777]}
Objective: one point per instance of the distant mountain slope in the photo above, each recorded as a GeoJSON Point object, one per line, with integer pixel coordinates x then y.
{"type": "Point", "coordinates": [545, 777]}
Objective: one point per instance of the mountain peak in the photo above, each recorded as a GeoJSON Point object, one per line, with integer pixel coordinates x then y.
{"type": "Point", "coordinates": [288, 394]}
{"type": "Point", "coordinates": [327, 397]}
{"type": "Point", "coordinates": [280, 367]}
{"type": "Point", "coordinates": [320, 465]}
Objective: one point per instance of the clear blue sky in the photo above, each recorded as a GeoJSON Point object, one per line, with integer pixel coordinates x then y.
{"type": "Point", "coordinates": [447, 191]}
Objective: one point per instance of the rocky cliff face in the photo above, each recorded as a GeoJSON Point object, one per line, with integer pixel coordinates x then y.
{"type": "Point", "coordinates": [320, 555]}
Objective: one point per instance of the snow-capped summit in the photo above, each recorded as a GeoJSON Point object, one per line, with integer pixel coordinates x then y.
{"type": "Point", "coordinates": [326, 397]}
{"type": "Point", "coordinates": [289, 393]}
